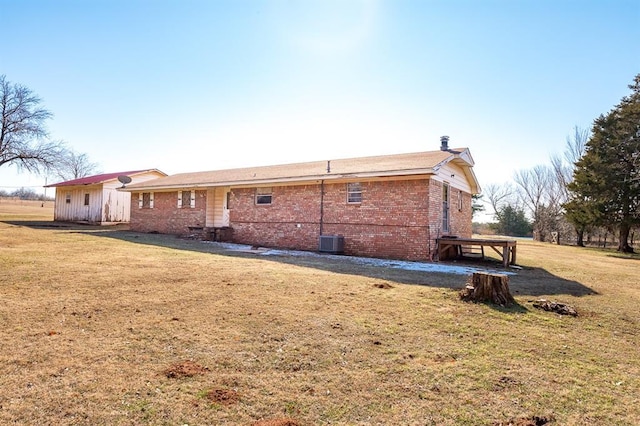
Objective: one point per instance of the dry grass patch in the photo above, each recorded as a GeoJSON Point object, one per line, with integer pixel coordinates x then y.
{"type": "Point", "coordinates": [277, 422]}
{"type": "Point", "coordinates": [26, 209]}
{"type": "Point", "coordinates": [92, 318]}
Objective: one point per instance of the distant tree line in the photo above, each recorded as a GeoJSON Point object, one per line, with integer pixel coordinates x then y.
{"type": "Point", "coordinates": [591, 191]}
{"type": "Point", "coordinates": [25, 194]}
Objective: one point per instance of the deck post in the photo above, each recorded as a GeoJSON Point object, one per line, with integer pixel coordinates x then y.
{"type": "Point", "coordinates": [506, 251]}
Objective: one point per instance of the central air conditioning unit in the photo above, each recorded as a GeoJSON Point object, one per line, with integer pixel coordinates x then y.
{"type": "Point", "coordinates": [332, 244]}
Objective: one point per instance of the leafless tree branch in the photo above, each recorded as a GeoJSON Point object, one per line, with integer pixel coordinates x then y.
{"type": "Point", "coordinates": [24, 139]}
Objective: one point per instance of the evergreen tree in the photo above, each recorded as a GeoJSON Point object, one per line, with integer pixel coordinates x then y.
{"type": "Point", "coordinates": [513, 222]}
{"type": "Point", "coordinates": [582, 215]}
{"type": "Point", "coordinates": [476, 204]}
{"type": "Point", "coordinates": [606, 185]}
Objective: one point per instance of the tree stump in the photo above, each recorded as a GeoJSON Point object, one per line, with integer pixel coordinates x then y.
{"type": "Point", "coordinates": [485, 287]}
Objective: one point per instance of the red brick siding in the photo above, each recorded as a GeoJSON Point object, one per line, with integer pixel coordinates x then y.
{"type": "Point", "coordinates": [461, 219]}
{"type": "Point", "coordinates": [165, 217]}
{"type": "Point", "coordinates": [396, 219]}
{"type": "Point", "coordinates": [390, 222]}
{"type": "Point", "coordinates": [291, 220]}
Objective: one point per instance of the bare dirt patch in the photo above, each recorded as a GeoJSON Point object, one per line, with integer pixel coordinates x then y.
{"type": "Point", "coordinates": [222, 396]}
{"type": "Point", "coordinates": [384, 286]}
{"type": "Point", "coordinates": [184, 369]}
{"type": "Point", "coordinates": [528, 421]}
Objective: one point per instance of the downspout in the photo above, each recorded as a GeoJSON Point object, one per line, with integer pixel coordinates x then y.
{"type": "Point", "coordinates": [321, 204]}
{"type": "Point", "coordinates": [429, 252]}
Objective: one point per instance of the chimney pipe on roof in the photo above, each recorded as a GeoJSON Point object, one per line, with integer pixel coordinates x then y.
{"type": "Point", "coordinates": [444, 143]}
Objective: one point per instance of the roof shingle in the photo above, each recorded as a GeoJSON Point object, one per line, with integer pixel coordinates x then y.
{"type": "Point", "coordinates": [385, 165]}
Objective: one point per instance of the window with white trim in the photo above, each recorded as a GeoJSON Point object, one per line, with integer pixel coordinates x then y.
{"type": "Point", "coordinates": [186, 199]}
{"type": "Point", "coordinates": [67, 199]}
{"type": "Point", "coordinates": [86, 199]}
{"type": "Point", "coordinates": [264, 195]}
{"type": "Point", "coordinates": [459, 201]}
{"type": "Point", "coordinates": [354, 193]}
{"type": "Point", "coordinates": [145, 200]}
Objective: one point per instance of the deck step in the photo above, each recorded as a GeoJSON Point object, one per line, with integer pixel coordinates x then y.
{"type": "Point", "coordinates": [472, 251]}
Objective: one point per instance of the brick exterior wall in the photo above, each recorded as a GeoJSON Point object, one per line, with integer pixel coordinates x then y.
{"type": "Point", "coordinates": [292, 220]}
{"type": "Point", "coordinates": [396, 219]}
{"type": "Point", "coordinates": [461, 218]}
{"type": "Point", "coordinates": [390, 222]}
{"type": "Point", "coordinates": [165, 217]}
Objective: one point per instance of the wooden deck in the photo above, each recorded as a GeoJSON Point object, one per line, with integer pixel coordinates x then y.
{"type": "Point", "coordinates": [455, 247]}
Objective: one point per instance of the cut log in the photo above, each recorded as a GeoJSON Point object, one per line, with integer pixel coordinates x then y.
{"type": "Point", "coordinates": [558, 308]}
{"type": "Point", "coordinates": [485, 287]}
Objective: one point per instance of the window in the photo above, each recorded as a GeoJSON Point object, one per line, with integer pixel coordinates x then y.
{"type": "Point", "coordinates": [86, 199]}
{"type": "Point", "coordinates": [460, 201]}
{"type": "Point", "coordinates": [145, 200]}
{"type": "Point", "coordinates": [354, 193]}
{"type": "Point", "coordinates": [445, 207]}
{"type": "Point", "coordinates": [186, 199]}
{"type": "Point", "coordinates": [263, 195]}
{"type": "Point", "coordinates": [67, 198]}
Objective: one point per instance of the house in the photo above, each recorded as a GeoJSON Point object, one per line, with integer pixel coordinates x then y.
{"type": "Point", "coordinates": [391, 206]}
{"type": "Point", "coordinates": [95, 199]}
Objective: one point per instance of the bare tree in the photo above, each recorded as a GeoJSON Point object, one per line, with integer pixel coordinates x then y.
{"type": "Point", "coordinates": [75, 166]}
{"type": "Point", "coordinates": [540, 192]}
{"type": "Point", "coordinates": [564, 165]}
{"type": "Point", "coordinates": [24, 140]}
{"type": "Point", "coordinates": [499, 196]}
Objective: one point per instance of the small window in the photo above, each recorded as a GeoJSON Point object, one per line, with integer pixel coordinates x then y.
{"type": "Point", "coordinates": [86, 199]}
{"type": "Point", "coordinates": [460, 201]}
{"type": "Point", "coordinates": [354, 193]}
{"type": "Point", "coordinates": [186, 199]}
{"type": "Point", "coordinates": [67, 199]}
{"type": "Point", "coordinates": [263, 195]}
{"type": "Point", "coordinates": [145, 200]}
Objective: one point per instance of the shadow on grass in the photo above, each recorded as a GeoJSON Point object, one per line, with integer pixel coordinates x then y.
{"type": "Point", "coordinates": [625, 256]}
{"type": "Point", "coordinates": [533, 282]}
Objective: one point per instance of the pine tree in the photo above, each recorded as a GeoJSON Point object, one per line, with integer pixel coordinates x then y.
{"type": "Point", "coordinates": [606, 185]}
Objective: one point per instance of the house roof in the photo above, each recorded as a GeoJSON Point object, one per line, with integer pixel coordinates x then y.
{"type": "Point", "coordinates": [420, 163]}
{"type": "Point", "coordinates": [101, 178]}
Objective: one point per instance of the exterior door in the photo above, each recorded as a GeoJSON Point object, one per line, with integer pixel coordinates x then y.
{"type": "Point", "coordinates": [218, 207]}
{"type": "Point", "coordinates": [225, 207]}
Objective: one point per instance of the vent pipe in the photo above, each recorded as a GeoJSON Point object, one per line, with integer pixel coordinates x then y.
{"type": "Point", "coordinates": [444, 143]}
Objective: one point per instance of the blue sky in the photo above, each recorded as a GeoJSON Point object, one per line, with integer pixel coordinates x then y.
{"type": "Point", "coordinates": [200, 85]}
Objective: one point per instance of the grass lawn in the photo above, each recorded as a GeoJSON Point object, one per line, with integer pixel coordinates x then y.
{"type": "Point", "coordinates": [107, 326]}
